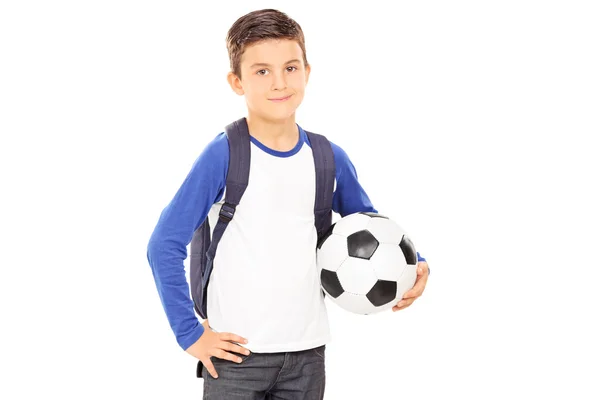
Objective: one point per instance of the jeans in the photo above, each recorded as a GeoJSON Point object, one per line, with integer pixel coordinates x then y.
{"type": "Point", "coordinates": [287, 375]}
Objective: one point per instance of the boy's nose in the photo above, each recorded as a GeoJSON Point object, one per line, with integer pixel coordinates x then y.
{"type": "Point", "coordinates": [279, 82]}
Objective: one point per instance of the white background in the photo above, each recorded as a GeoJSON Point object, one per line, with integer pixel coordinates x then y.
{"type": "Point", "coordinates": [471, 123]}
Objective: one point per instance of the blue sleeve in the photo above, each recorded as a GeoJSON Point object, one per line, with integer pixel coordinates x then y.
{"type": "Point", "coordinates": [349, 196]}
{"type": "Point", "coordinates": [167, 247]}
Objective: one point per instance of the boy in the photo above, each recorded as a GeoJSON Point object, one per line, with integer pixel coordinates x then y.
{"type": "Point", "coordinates": [268, 322]}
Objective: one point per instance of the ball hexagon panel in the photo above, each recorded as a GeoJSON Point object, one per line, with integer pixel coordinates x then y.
{"type": "Point", "coordinates": [333, 252]}
{"type": "Point", "coordinates": [356, 276]}
{"type": "Point", "coordinates": [385, 230]}
{"type": "Point", "coordinates": [382, 293]}
{"type": "Point", "coordinates": [384, 269]}
{"type": "Point", "coordinates": [362, 244]}
{"type": "Point", "coordinates": [351, 223]}
{"type": "Point", "coordinates": [408, 248]}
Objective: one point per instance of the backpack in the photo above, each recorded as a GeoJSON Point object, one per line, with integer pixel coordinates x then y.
{"type": "Point", "coordinates": [204, 245]}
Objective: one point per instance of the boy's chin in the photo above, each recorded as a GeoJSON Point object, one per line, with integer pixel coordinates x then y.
{"type": "Point", "coordinates": [279, 115]}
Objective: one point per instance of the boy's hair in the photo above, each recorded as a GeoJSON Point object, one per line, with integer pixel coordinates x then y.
{"type": "Point", "coordinates": [257, 26]}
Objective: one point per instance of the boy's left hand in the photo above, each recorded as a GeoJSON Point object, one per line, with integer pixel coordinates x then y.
{"type": "Point", "coordinates": [417, 290]}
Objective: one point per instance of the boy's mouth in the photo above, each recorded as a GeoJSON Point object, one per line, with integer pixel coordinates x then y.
{"type": "Point", "coordinates": [280, 99]}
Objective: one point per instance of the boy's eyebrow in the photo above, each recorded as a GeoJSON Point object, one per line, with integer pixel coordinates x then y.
{"type": "Point", "coordinates": [295, 60]}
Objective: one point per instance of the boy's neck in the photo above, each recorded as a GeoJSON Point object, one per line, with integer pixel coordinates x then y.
{"type": "Point", "coordinates": [279, 135]}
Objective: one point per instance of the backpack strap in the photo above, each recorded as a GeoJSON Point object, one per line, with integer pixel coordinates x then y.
{"type": "Point", "coordinates": [325, 179]}
{"type": "Point", "coordinates": [238, 172]}
{"type": "Point", "coordinates": [237, 179]}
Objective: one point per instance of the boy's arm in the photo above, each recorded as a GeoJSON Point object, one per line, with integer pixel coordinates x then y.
{"type": "Point", "coordinates": [167, 247]}
{"type": "Point", "coordinates": [349, 196]}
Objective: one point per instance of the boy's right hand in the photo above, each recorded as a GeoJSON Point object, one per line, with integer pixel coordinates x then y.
{"type": "Point", "coordinates": [213, 344]}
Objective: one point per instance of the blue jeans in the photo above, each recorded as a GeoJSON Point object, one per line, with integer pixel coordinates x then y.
{"type": "Point", "coordinates": [288, 375]}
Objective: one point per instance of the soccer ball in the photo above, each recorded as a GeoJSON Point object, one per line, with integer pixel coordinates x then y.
{"type": "Point", "coordinates": [366, 263]}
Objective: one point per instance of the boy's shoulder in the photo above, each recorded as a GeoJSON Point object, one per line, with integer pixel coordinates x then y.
{"type": "Point", "coordinates": [218, 143]}
{"type": "Point", "coordinates": [213, 158]}
{"type": "Point", "coordinates": [338, 151]}
{"type": "Point", "coordinates": [339, 154]}
{"type": "Point", "coordinates": [217, 149]}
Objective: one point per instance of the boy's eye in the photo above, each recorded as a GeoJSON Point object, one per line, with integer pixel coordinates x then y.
{"type": "Point", "coordinates": [264, 71]}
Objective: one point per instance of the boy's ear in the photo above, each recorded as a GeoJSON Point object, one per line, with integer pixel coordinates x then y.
{"type": "Point", "coordinates": [235, 83]}
{"type": "Point", "coordinates": [307, 73]}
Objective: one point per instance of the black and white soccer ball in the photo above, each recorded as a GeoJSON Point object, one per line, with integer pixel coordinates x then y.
{"type": "Point", "coordinates": [366, 263]}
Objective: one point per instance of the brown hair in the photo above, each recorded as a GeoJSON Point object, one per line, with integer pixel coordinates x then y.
{"type": "Point", "coordinates": [257, 26]}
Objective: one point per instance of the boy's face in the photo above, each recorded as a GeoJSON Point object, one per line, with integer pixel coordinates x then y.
{"type": "Point", "coordinates": [272, 69]}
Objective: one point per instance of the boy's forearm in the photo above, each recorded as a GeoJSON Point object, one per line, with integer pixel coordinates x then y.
{"type": "Point", "coordinates": [166, 261]}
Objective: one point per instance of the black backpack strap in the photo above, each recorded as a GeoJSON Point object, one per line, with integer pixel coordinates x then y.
{"type": "Point", "coordinates": [325, 178]}
{"type": "Point", "coordinates": [238, 172]}
{"type": "Point", "coordinates": [237, 181]}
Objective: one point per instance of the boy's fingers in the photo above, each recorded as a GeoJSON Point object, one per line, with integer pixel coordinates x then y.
{"type": "Point", "coordinates": [402, 304]}
{"type": "Point", "coordinates": [210, 368]}
{"type": "Point", "coordinates": [412, 293]}
{"type": "Point", "coordinates": [405, 303]}
{"type": "Point", "coordinates": [234, 347]}
{"type": "Point", "coordinates": [232, 337]}
{"type": "Point", "coordinates": [224, 355]}
{"type": "Point", "coordinates": [416, 291]}
{"type": "Point", "coordinates": [422, 269]}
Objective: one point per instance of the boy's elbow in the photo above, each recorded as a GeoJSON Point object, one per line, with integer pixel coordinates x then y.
{"type": "Point", "coordinates": [155, 248]}
{"type": "Point", "coordinates": [164, 250]}
{"type": "Point", "coordinates": [152, 252]}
